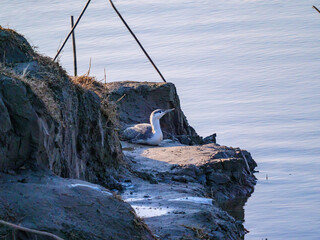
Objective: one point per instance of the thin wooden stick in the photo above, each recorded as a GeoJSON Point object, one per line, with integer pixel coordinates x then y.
{"type": "Point", "coordinates": [14, 226]}
{"type": "Point", "coordinates": [71, 31]}
{"type": "Point", "coordinates": [134, 36]}
{"type": "Point", "coordinates": [74, 49]}
{"type": "Point", "coordinates": [105, 76]}
{"type": "Point", "coordinates": [316, 9]}
{"type": "Point", "coordinates": [246, 161]}
{"type": "Point", "coordinates": [121, 98]}
{"type": "Point", "coordinates": [88, 73]}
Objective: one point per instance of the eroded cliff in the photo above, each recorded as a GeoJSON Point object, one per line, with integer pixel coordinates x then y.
{"type": "Point", "coordinates": [52, 127]}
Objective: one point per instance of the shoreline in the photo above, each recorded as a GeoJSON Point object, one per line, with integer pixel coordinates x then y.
{"type": "Point", "coordinates": [172, 195]}
{"type": "Point", "coordinates": [57, 129]}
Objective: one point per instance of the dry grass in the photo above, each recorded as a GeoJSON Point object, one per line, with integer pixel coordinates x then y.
{"type": "Point", "coordinates": [108, 108]}
{"type": "Point", "coordinates": [84, 81]}
{"type": "Point", "coordinates": [50, 78]}
{"type": "Point", "coordinates": [199, 232]}
{"type": "Point", "coordinates": [140, 224]}
{"type": "Point", "coordinates": [117, 196]}
{"type": "Point", "coordinates": [24, 229]}
{"type": "Point", "coordinates": [39, 87]}
{"type": "Point", "coordinates": [12, 39]}
{"type": "Point", "coordinates": [48, 73]}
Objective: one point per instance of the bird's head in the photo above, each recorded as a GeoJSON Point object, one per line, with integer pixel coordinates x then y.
{"type": "Point", "coordinates": [159, 113]}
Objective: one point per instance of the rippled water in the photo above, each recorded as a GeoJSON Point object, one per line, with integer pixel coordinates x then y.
{"type": "Point", "coordinates": [245, 69]}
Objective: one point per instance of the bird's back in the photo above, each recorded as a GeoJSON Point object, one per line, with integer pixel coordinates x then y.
{"type": "Point", "coordinates": [138, 131]}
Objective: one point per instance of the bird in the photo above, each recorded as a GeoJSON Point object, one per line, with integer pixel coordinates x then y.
{"type": "Point", "coordinates": [147, 133]}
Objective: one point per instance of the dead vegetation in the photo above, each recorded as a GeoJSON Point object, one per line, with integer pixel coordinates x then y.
{"type": "Point", "coordinates": [12, 42]}
{"type": "Point", "coordinates": [50, 77]}
{"type": "Point", "coordinates": [140, 224]}
{"type": "Point", "coordinates": [24, 229]}
{"type": "Point", "coordinates": [39, 87]}
{"type": "Point", "coordinates": [199, 233]}
{"type": "Point", "coordinates": [108, 108]}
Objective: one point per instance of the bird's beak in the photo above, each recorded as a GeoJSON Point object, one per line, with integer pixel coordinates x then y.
{"type": "Point", "coordinates": [169, 110]}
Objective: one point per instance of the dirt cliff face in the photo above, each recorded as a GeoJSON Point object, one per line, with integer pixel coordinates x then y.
{"type": "Point", "coordinates": [52, 127]}
{"type": "Point", "coordinates": [141, 98]}
{"type": "Point", "coordinates": [50, 121]}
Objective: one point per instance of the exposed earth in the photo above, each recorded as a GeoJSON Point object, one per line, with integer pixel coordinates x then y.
{"type": "Point", "coordinates": [64, 170]}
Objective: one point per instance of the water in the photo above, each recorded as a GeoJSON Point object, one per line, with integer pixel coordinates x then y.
{"type": "Point", "coordinates": [245, 69]}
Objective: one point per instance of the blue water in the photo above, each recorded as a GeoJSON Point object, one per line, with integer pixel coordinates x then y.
{"type": "Point", "coordinates": [248, 70]}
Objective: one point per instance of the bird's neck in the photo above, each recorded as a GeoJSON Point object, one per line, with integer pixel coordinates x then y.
{"type": "Point", "coordinates": [155, 123]}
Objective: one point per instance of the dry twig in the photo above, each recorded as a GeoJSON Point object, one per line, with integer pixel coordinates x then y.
{"type": "Point", "coordinates": [17, 227]}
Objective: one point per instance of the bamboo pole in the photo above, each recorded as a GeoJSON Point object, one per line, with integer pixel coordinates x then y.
{"type": "Point", "coordinates": [74, 50]}
{"type": "Point", "coordinates": [316, 9]}
{"type": "Point", "coordinates": [17, 227]}
{"type": "Point", "coordinates": [71, 31]}
{"type": "Point", "coordinates": [134, 36]}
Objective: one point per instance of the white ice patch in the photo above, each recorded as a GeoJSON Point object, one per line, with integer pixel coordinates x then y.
{"type": "Point", "coordinates": [134, 199]}
{"type": "Point", "coordinates": [199, 200]}
{"type": "Point", "coordinates": [127, 185]}
{"type": "Point", "coordinates": [148, 212]}
{"type": "Point", "coordinates": [97, 188]}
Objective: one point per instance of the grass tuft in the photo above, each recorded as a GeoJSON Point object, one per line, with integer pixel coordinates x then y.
{"type": "Point", "coordinates": [108, 108]}
{"type": "Point", "coordinates": [39, 87]}
{"type": "Point", "coordinates": [199, 232]}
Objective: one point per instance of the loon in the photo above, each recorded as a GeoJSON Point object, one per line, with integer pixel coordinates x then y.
{"type": "Point", "coordinates": [145, 133]}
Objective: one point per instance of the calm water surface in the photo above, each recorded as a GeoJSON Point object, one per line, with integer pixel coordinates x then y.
{"type": "Point", "coordinates": [245, 69]}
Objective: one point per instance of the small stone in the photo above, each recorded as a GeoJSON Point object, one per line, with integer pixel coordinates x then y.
{"type": "Point", "coordinates": [178, 212]}
{"type": "Point", "coordinates": [210, 139]}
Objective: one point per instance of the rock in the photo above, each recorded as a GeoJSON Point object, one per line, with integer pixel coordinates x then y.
{"type": "Point", "coordinates": [47, 120]}
{"type": "Point", "coordinates": [210, 139]}
{"type": "Point", "coordinates": [202, 179]}
{"type": "Point", "coordinates": [52, 125]}
{"type": "Point", "coordinates": [233, 164]}
{"type": "Point", "coordinates": [218, 178]}
{"type": "Point", "coordinates": [217, 235]}
{"type": "Point", "coordinates": [20, 126]}
{"type": "Point", "coordinates": [194, 175]}
{"type": "Point", "coordinates": [237, 174]}
{"type": "Point", "coordinates": [146, 176]}
{"type": "Point", "coordinates": [188, 170]}
{"type": "Point", "coordinates": [183, 179]}
{"type": "Point", "coordinates": [251, 162]}
{"type": "Point", "coordinates": [14, 48]}
{"type": "Point", "coordinates": [4, 118]}
{"type": "Point", "coordinates": [70, 209]}
{"type": "Point", "coordinates": [219, 155]}
{"type": "Point", "coordinates": [185, 139]}
{"type": "Point", "coordinates": [25, 68]}
{"type": "Point", "coordinates": [221, 198]}
{"type": "Point", "coordinates": [141, 98]}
